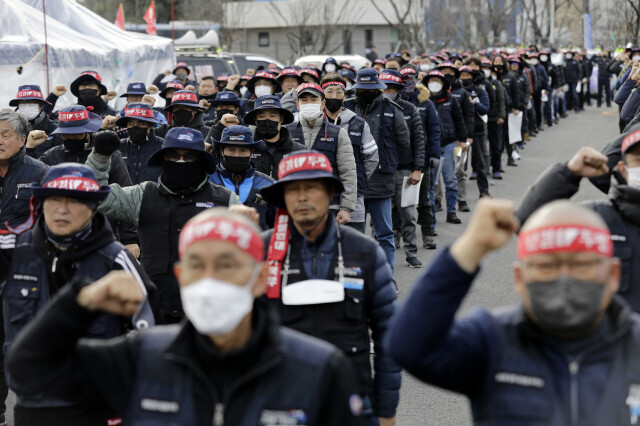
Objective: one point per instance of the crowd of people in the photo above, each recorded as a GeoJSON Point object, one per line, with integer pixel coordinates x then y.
{"type": "Point", "coordinates": [228, 216]}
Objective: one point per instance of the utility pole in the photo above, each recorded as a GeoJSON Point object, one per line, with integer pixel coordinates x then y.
{"type": "Point", "coordinates": [552, 18]}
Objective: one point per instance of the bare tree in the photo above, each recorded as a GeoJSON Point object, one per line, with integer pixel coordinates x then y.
{"type": "Point", "coordinates": [407, 18]}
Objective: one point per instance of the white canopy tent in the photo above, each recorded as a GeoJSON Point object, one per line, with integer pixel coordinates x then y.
{"type": "Point", "coordinates": [78, 40]}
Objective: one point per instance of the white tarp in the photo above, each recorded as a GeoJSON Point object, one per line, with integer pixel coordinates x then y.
{"type": "Point", "coordinates": [78, 40]}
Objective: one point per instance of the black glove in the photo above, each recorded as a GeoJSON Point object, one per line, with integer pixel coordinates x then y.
{"type": "Point", "coordinates": [106, 142]}
{"type": "Point", "coordinates": [434, 162]}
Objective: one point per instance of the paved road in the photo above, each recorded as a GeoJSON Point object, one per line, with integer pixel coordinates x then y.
{"type": "Point", "coordinates": [422, 405]}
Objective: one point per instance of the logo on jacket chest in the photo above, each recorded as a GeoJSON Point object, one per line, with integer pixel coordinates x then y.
{"type": "Point", "coordinates": [633, 401]}
{"type": "Point", "coordinates": [327, 139]}
{"type": "Point", "coordinates": [207, 205]}
{"type": "Point", "coordinates": [282, 417]}
{"type": "Point", "coordinates": [159, 406]}
{"type": "Point", "coordinates": [517, 379]}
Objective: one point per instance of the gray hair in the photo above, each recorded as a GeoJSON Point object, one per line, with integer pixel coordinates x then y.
{"type": "Point", "coordinates": [18, 121]}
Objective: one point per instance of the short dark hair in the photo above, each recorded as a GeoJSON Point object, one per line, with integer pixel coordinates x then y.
{"type": "Point", "coordinates": [635, 150]}
{"type": "Point", "coordinates": [208, 77]}
{"type": "Point", "coordinates": [473, 60]}
{"type": "Point", "coordinates": [332, 76]}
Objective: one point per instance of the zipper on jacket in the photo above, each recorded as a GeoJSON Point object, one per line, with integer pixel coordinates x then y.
{"type": "Point", "coordinates": [218, 416]}
{"type": "Point", "coordinates": [574, 368]}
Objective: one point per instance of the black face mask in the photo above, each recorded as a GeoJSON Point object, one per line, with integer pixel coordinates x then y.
{"type": "Point", "coordinates": [566, 307]}
{"type": "Point", "coordinates": [236, 164]}
{"type": "Point", "coordinates": [467, 82]}
{"type": "Point", "coordinates": [167, 102]}
{"type": "Point", "coordinates": [367, 97]}
{"type": "Point", "coordinates": [182, 117]}
{"type": "Point", "coordinates": [267, 128]}
{"type": "Point", "coordinates": [450, 77]}
{"type": "Point", "coordinates": [333, 105]}
{"type": "Point", "coordinates": [75, 145]}
{"type": "Point", "coordinates": [180, 177]}
{"type": "Point", "coordinates": [137, 134]}
{"type": "Point", "coordinates": [221, 112]}
{"type": "Point", "coordinates": [88, 97]}
{"type": "Point", "coordinates": [207, 97]}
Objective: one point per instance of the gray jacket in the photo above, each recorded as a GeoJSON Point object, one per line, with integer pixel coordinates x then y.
{"type": "Point", "coordinates": [344, 159]}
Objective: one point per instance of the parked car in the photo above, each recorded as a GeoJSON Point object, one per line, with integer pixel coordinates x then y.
{"type": "Point", "coordinates": [245, 61]}
{"type": "Point", "coordinates": [317, 60]}
{"type": "Point", "coordinates": [203, 63]}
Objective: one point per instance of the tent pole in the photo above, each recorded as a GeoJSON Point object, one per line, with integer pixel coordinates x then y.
{"type": "Point", "coordinates": [46, 44]}
{"type": "Point", "coordinates": [173, 25]}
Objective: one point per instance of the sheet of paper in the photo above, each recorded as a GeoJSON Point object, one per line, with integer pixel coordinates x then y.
{"type": "Point", "coordinates": [410, 193]}
{"type": "Point", "coordinates": [515, 126]}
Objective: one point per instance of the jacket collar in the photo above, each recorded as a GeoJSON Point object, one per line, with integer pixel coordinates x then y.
{"type": "Point", "coordinates": [626, 199]}
{"type": "Point", "coordinates": [228, 175]}
{"type": "Point", "coordinates": [15, 161]}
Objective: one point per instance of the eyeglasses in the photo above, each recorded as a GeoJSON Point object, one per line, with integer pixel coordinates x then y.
{"type": "Point", "coordinates": [577, 268]}
{"type": "Point", "coordinates": [189, 157]}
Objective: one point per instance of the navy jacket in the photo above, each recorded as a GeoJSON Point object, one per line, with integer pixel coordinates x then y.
{"type": "Point", "coordinates": [433, 130]}
{"type": "Point", "coordinates": [375, 297]}
{"type": "Point", "coordinates": [452, 123]}
{"type": "Point", "coordinates": [173, 375]}
{"type": "Point", "coordinates": [17, 214]}
{"type": "Point", "coordinates": [136, 157]}
{"type": "Point", "coordinates": [512, 372]}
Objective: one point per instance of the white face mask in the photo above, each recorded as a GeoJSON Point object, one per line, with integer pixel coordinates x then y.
{"type": "Point", "coordinates": [425, 67]}
{"type": "Point", "coordinates": [568, 55]}
{"type": "Point", "coordinates": [544, 58]}
{"type": "Point", "coordinates": [636, 58]}
{"type": "Point", "coordinates": [330, 67]}
{"type": "Point", "coordinates": [487, 73]}
{"type": "Point", "coordinates": [243, 90]}
{"type": "Point", "coordinates": [533, 61]}
{"type": "Point", "coordinates": [633, 179]}
{"type": "Point", "coordinates": [214, 307]}
{"type": "Point", "coordinates": [30, 111]}
{"type": "Point", "coordinates": [310, 111]}
{"type": "Point", "coordinates": [261, 91]}
{"type": "Point", "coordinates": [434, 86]}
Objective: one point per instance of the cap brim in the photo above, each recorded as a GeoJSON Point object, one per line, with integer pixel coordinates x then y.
{"type": "Point", "coordinates": [274, 194]}
{"type": "Point", "coordinates": [124, 95]}
{"type": "Point", "coordinates": [39, 192]}
{"type": "Point", "coordinates": [170, 107]}
{"type": "Point", "coordinates": [91, 127]}
{"type": "Point", "coordinates": [259, 146]}
{"type": "Point", "coordinates": [250, 117]}
{"type": "Point", "coordinates": [369, 86]}
{"type": "Point", "coordinates": [16, 102]}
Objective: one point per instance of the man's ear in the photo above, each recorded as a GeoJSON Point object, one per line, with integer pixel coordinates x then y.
{"type": "Point", "coordinates": [177, 270]}
{"type": "Point", "coordinates": [260, 286]}
{"type": "Point", "coordinates": [623, 170]}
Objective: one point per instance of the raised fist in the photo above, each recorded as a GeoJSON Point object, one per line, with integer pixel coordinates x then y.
{"type": "Point", "coordinates": [109, 122]}
{"type": "Point", "coordinates": [36, 138]}
{"type": "Point", "coordinates": [59, 90]}
{"type": "Point", "coordinates": [588, 162]}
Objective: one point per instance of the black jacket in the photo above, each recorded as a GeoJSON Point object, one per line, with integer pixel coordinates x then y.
{"type": "Point", "coordinates": [451, 118]}
{"type": "Point", "coordinates": [468, 111]}
{"type": "Point", "coordinates": [45, 123]}
{"type": "Point", "coordinates": [621, 214]}
{"type": "Point", "coordinates": [412, 159]}
{"type": "Point", "coordinates": [512, 89]}
{"type": "Point", "coordinates": [572, 71]}
{"type": "Point", "coordinates": [125, 232]}
{"type": "Point", "coordinates": [136, 158]}
{"type": "Point", "coordinates": [267, 162]}
{"type": "Point", "coordinates": [174, 366]}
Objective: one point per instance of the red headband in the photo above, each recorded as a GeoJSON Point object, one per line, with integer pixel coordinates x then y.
{"type": "Point", "coordinates": [302, 163]}
{"type": "Point", "coordinates": [391, 77]}
{"type": "Point", "coordinates": [173, 84]}
{"type": "Point", "coordinates": [73, 183]}
{"type": "Point", "coordinates": [29, 94]}
{"type": "Point", "coordinates": [222, 229]}
{"type": "Point", "coordinates": [333, 83]}
{"type": "Point", "coordinates": [184, 97]}
{"type": "Point", "coordinates": [73, 116]}
{"type": "Point", "coordinates": [309, 71]}
{"type": "Point", "coordinates": [630, 140]}
{"type": "Point", "coordinates": [565, 238]}
{"type": "Point", "coordinates": [138, 112]}
{"type": "Point", "coordinates": [92, 74]}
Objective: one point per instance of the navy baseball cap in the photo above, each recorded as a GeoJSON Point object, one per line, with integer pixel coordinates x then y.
{"type": "Point", "coordinates": [391, 77]}
{"type": "Point", "coordinates": [348, 74]}
{"type": "Point", "coordinates": [186, 98]}
{"type": "Point", "coordinates": [139, 111]}
{"type": "Point", "coordinates": [29, 92]}
{"type": "Point", "coordinates": [268, 102]}
{"type": "Point", "coordinates": [76, 119]}
{"type": "Point", "coordinates": [239, 136]}
{"type": "Point", "coordinates": [135, 89]}
{"type": "Point", "coordinates": [300, 165]}
{"type": "Point", "coordinates": [226, 98]}
{"type": "Point", "coordinates": [71, 180]}
{"type": "Point", "coordinates": [367, 79]}
{"type": "Point", "coordinates": [91, 76]}
{"type": "Point", "coordinates": [184, 138]}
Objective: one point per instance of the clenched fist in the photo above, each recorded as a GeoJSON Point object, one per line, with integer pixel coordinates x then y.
{"type": "Point", "coordinates": [229, 120]}
{"type": "Point", "coordinates": [111, 94]}
{"type": "Point", "coordinates": [109, 122]}
{"type": "Point", "coordinates": [36, 138]}
{"type": "Point", "coordinates": [588, 162]}
{"type": "Point", "coordinates": [491, 226]}
{"type": "Point", "coordinates": [59, 90]}
{"type": "Point", "coordinates": [117, 293]}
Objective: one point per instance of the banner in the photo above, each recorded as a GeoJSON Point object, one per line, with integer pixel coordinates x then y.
{"type": "Point", "coordinates": [587, 30]}
{"type": "Point", "coordinates": [120, 18]}
{"type": "Point", "coordinates": [150, 18]}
